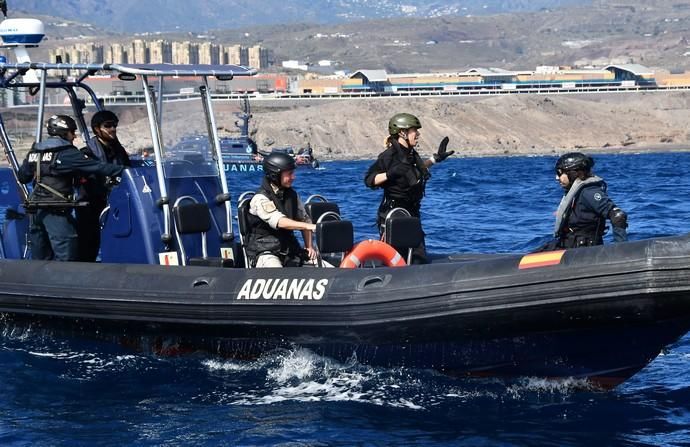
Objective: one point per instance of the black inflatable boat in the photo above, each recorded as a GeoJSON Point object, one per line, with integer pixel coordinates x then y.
{"type": "Point", "coordinates": [601, 313]}
{"type": "Point", "coordinates": [172, 269]}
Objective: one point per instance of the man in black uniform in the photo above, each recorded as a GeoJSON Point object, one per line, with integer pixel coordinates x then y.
{"type": "Point", "coordinates": [402, 173]}
{"type": "Point", "coordinates": [582, 213]}
{"type": "Point", "coordinates": [103, 146]}
{"type": "Point", "coordinates": [53, 165]}
{"type": "Point", "coordinates": [275, 212]}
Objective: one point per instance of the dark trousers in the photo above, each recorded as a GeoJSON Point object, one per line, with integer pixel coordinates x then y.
{"type": "Point", "coordinates": [89, 231]}
{"type": "Point", "coordinates": [53, 236]}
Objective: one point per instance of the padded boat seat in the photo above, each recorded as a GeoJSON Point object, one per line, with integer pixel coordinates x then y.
{"type": "Point", "coordinates": [404, 233]}
{"type": "Point", "coordinates": [335, 236]}
{"type": "Point", "coordinates": [196, 218]}
{"type": "Point", "coordinates": [319, 211]}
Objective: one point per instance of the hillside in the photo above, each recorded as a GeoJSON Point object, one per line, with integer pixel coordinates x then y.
{"type": "Point", "coordinates": [609, 31]}
{"type": "Point", "coordinates": [201, 15]}
{"type": "Point", "coordinates": [505, 125]}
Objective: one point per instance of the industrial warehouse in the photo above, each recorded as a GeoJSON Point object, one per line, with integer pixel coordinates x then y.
{"type": "Point", "coordinates": [377, 82]}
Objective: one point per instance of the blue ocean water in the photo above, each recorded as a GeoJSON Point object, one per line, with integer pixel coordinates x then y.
{"type": "Point", "coordinates": [66, 392]}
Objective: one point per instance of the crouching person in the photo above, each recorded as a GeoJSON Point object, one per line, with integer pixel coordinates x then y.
{"type": "Point", "coordinates": [585, 206]}
{"type": "Point", "coordinates": [275, 212]}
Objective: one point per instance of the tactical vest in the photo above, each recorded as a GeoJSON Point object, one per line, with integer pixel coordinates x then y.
{"type": "Point", "coordinates": [581, 227]}
{"type": "Point", "coordinates": [263, 238]}
{"type": "Point", "coordinates": [49, 186]}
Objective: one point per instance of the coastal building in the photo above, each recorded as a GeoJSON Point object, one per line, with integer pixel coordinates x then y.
{"type": "Point", "coordinates": [116, 54]}
{"type": "Point", "coordinates": [259, 57]}
{"type": "Point", "coordinates": [236, 55]}
{"type": "Point", "coordinates": [78, 54]}
{"type": "Point", "coordinates": [294, 65]}
{"type": "Point", "coordinates": [184, 52]}
{"type": "Point", "coordinates": [482, 79]}
{"type": "Point", "coordinates": [105, 86]}
{"type": "Point", "coordinates": [139, 52]}
{"type": "Point", "coordinates": [209, 53]}
{"type": "Point", "coordinates": [160, 52]}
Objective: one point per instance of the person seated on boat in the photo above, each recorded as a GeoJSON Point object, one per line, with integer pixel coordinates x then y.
{"type": "Point", "coordinates": [53, 165]}
{"type": "Point", "coordinates": [275, 212]}
{"type": "Point", "coordinates": [402, 173]}
{"type": "Point", "coordinates": [94, 188]}
{"type": "Point", "coordinates": [585, 206]}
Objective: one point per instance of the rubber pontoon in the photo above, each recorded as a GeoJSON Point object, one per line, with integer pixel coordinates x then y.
{"type": "Point", "coordinates": [601, 313]}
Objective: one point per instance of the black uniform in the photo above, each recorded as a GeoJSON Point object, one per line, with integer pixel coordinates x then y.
{"type": "Point", "coordinates": [405, 190]}
{"type": "Point", "coordinates": [583, 222]}
{"type": "Point", "coordinates": [52, 230]}
{"type": "Point", "coordinates": [276, 241]}
{"type": "Point", "coordinates": [93, 189]}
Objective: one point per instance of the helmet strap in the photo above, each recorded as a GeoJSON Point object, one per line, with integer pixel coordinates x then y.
{"type": "Point", "coordinates": [406, 139]}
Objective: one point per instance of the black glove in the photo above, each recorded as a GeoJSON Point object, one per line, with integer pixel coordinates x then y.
{"type": "Point", "coordinates": [442, 154]}
{"type": "Point", "coordinates": [396, 171]}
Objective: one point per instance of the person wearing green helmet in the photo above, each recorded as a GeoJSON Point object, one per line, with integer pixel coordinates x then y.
{"type": "Point", "coordinates": [401, 171]}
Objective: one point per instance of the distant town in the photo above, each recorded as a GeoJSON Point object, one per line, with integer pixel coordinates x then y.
{"type": "Point", "coordinates": [291, 78]}
{"type": "Point", "coordinates": [161, 51]}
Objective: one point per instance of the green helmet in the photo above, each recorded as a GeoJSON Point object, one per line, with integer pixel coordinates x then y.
{"type": "Point", "coordinates": [402, 121]}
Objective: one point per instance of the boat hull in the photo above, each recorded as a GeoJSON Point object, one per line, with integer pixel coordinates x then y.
{"type": "Point", "coordinates": [601, 313]}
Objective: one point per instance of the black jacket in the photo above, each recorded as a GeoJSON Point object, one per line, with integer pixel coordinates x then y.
{"type": "Point", "coordinates": [407, 190]}
{"type": "Point", "coordinates": [60, 163]}
{"type": "Point", "coordinates": [584, 223]}
{"type": "Point", "coordinates": [93, 187]}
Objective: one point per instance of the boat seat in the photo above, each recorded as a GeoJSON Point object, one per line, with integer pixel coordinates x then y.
{"type": "Point", "coordinates": [404, 233]}
{"type": "Point", "coordinates": [317, 210]}
{"type": "Point", "coordinates": [243, 223]}
{"type": "Point", "coordinates": [333, 236]}
{"type": "Point", "coordinates": [195, 218]}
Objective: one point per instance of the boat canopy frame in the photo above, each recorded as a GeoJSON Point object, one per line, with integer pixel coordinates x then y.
{"type": "Point", "coordinates": [11, 77]}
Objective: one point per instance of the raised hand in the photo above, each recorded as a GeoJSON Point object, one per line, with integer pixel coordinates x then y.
{"type": "Point", "coordinates": [442, 154]}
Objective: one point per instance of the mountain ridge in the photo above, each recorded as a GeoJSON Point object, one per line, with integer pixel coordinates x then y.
{"type": "Point", "coordinates": [201, 15]}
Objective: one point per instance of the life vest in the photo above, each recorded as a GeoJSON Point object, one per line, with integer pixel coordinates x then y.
{"type": "Point", "coordinates": [265, 239]}
{"type": "Point", "coordinates": [581, 227]}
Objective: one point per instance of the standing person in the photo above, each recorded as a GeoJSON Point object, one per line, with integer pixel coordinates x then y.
{"type": "Point", "coordinates": [585, 206]}
{"type": "Point", "coordinates": [275, 212]}
{"type": "Point", "coordinates": [53, 165]}
{"type": "Point", "coordinates": [106, 147]}
{"type": "Point", "coordinates": [402, 173]}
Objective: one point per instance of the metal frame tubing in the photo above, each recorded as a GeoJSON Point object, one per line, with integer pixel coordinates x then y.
{"type": "Point", "coordinates": [213, 132]}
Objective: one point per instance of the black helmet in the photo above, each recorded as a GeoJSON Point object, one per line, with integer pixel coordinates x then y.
{"type": "Point", "coordinates": [275, 163]}
{"type": "Point", "coordinates": [60, 125]}
{"type": "Point", "coordinates": [574, 161]}
{"type": "Point", "coordinates": [103, 116]}
{"type": "Point", "coordinates": [402, 121]}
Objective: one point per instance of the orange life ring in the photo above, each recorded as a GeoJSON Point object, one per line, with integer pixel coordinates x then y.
{"type": "Point", "coordinates": [371, 249]}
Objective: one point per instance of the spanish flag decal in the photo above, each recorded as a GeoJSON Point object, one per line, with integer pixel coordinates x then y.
{"type": "Point", "coordinates": [541, 259]}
